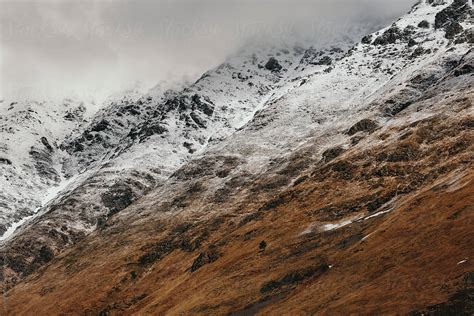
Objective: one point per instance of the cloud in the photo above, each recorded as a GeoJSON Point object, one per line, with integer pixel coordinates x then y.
{"type": "Point", "coordinates": [54, 48]}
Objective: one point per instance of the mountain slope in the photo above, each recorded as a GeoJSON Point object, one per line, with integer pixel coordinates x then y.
{"type": "Point", "coordinates": [348, 237]}
{"type": "Point", "coordinates": [30, 160]}
{"type": "Point", "coordinates": [331, 193]}
{"type": "Point", "coordinates": [134, 144]}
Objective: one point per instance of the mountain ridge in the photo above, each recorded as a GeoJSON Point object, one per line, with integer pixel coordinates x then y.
{"type": "Point", "coordinates": [381, 100]}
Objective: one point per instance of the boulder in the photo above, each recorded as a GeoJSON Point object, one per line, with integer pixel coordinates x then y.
{"type": "Point", "coordinates": [5, 161]}
{"type": "Point", "coordinates": [273, 65]}
{"type": "Point", "coordinates": [453, 29]}
{"type": "Point", "coordinates": [365, 125]}
{"type": "Point", "coordinates": [424, 24]}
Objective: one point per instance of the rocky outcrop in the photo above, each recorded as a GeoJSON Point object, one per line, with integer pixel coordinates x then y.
{"type": "Point", "coordinates": [277, 192]}
{"type": "Point", "coordinates": [273, 64]}
{"type": "Point", "coordinates": [449, 18]}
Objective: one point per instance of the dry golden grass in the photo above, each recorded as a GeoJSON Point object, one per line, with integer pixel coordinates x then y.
{"type": "Point", "coordinates": [400, 261]}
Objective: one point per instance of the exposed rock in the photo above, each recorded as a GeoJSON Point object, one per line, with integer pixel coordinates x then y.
{"type": "Point", "coordinates": [412, 43]}
{"type": "Point", "coordinates": [468, 278]}
{"type": "Point", "coordinates": [400, 102]}
{"type": "Point", "coordinates": [452, 29]}
{"type": "Point", "coordinates": [326, 60]}
{"type": "Point", "coordinates": [367, 39]}
{"type": "Point", "coordinates": [457, 12]}
{"type": "Point", "coordinates": [101, 126]}
{"type": "Point", "coordinates": [248, 187]}
{"type": "Point", "coordinates": [390, 36]}
{"type": "Point", "coordinates": [5, 161]}
{"type": "Point", "coordinates": [118, 198]}
{"type": "Point", "coordinates": [424, 24]}
{"type": "Point", "coordinates": [459, 303]}
{"type": "Point", "coordinates": [43, 162]}
{"type": "Point", "coordinates": [273, 65]}
{"type": "Point", "coordinates": [419, 51]}
{"type": "Point", "coordinates": [404, 152]}
{"type": "Point", "coordinates": [262, 245]}
{"type": "Point", "coordinates": [464, 70]}
{"type": "Point", "coordinates": [45, 142]}
{"type": "Point", "coordinates": [149, 130]}
{"type": "Point", "coordinates": [203, 105]}
{"type": "Point", "coordinates": [332, 153]}
{"type": "Point", "coordinates": [365, 125]}
{"type": "Point", "coordinates": [466, 37]}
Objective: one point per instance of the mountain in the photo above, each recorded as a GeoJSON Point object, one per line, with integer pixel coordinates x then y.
{"type": "Point", "coordinates": [29, 161]}
{"type": "Point", "coordinates": [287, 181]}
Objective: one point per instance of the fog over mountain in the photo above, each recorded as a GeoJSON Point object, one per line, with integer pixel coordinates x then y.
{"type": "Point", "coordinates": [92, 48]}
{"type": "Point", "coordinates": [237, 157]}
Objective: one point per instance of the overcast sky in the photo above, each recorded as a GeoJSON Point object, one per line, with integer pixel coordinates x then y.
{"type": "Point", "coordinates": [51, 48]}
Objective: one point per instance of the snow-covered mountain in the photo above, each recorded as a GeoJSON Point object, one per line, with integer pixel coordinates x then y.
{"type": "Point", "coordinates": [138, 140]}
{"type": "Point", "coordinates": [136, 180]}
{"type": "Point", "coordinates": [30, 159]}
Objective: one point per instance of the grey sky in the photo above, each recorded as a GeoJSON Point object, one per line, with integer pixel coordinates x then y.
{"type": "Point", "coordinates": [57, 47]}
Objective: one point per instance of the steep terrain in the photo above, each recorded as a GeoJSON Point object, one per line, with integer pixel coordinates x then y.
{"type": "Point", "coordinates": [132, 146]}
{"type": "Point", "coordinates": [30, 160]}
{"type": "Point", "coordinates": [330, 182]}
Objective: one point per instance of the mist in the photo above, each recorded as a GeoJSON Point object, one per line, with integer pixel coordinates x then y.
{"type": "Point", "coordinates": [54, 49]}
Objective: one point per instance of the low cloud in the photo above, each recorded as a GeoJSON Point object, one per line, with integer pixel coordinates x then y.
{"type": "Point", "coordinates": [56, 48]}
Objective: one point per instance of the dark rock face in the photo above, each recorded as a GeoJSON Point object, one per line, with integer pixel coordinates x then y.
{"type": "Point", "coordinates": [390, 36]}
{"type": "Point", "coordinates": [262, 245]}
{"type": "Point", "coordinates": [5, 161]}
{"type": "Point", "coordinates": [159, 250]}
{"type": "Point", "coordinates": [395, 34]}
{"type": "Point", "coordinates": [332, 153]}
{"type": "Point", "coordinates": [424, 24]}
{"type": "Point", "coordinates": [118, 198]}
{"type": "Point", "coordinates": [423, 82]}
{"type": "Point", "coordinates": [466, 37]}
{"type": "Point", "coordinates": [469, 278]}
{"type": "Point", "coordinates": [326, 60]}
{"type": "Point", "coordinates": [367, 39]}
{"type": "Point", "coordinates": [404, 152]}
{"type": "Point", "coordinates": [325, 57]}
{"type": "Point", "coordinates": [46, 144]}
{"type": "Point", "coordinates": [403, 100]}
{"type": "Point", "coordinates": [149, 130]}
{"type": "Point", "coordinates": [419, 51]}
{"type": "Point", "coordinates": [101, 126]}
{"type": "Point", "coordinates": [273, 65]}
{"type": "Point", "coordinates": [196, 119]}
{"type": "Point", "coordinates": [45, 255]}
{"type": "Point", "coordinates": [364, 125]}
{"type": "Point", "coordinates": [464, 70]}
{"type": "Point", "coordinates": [44, 163]}
{"type": "Point", "coordinates": [456, 12]}
{"type": "Point", "coordinates": [412, 43]}
{"type": "Point", "coordinates": [460, 303]}
{"type": "Point", "coordinates": [3, 229]}
{"type": "Point", "coordinates": [450, 17]}
{"type": "Point", "coordinates": [204, 105]}
{"type": "Point", "coordinates": [453, 29]}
